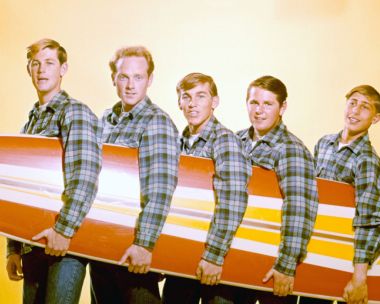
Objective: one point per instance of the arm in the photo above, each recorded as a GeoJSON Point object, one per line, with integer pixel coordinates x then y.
{"type": "Point", "coordinates": [367, 228]}
{"type": "Point", "coordinates": [297, 182]}
{"type": "Point", "coordinates": [14, 268]}
{"type": "Point", "coordinates": [81, 166]}
{"type": "Point", "coordinates": [158, 166]}
{"type": "Point", "coordinates": [232, 173]}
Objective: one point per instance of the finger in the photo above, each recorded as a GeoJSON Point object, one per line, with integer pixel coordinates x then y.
{"type": "Point", "coordinates": [268, 276]}
{"type": "Point", "coordinates": [198, 273]}
{"type": "Point", "coordinates": [39, 236]}
{"type": "Point", "coordinates": [19, 269]}
{"type": "Point", "coordinates": [214, 280]}
{"type": "Point", "coordinates": [124, 259]}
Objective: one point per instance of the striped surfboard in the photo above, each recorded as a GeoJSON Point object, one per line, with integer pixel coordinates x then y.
{"type": "Point", "coordinates": [31, 184]}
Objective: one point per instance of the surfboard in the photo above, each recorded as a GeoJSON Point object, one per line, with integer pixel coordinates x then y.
{"type": "Point", "coordinates": [31, 183]}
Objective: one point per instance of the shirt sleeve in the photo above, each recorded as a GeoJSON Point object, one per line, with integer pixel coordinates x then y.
{"type": "Point", "coordinates": [13, 247]}
{"type": "Point", "coordinates": [158, 168]}
{"type": "Point", "coordinates": [367, 215]}
{"type": "Point", "coordinates": [232, 173]}
{"type": "Point", "coordinates": [81, 166]}
{"type": "Point", "coordinates": [300, 204]}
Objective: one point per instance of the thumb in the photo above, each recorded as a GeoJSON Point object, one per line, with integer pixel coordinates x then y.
{"type": "Point", "coordinates": [198, 272]}
{"type": "Point", "coordinates": [39, 236]}
{"type": "Point", "coordinates": [268, 276]}
{"type": "Point", "coordinates": [19, 268]}
{"type": "Point", "coordinates": [124, 258]}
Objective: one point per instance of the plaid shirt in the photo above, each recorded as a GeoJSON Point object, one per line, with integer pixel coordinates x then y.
{"type": "Point", "coordinates": [232, 173]}
{"type": "Point", "coordinates": [281, 151]}
{"type": "Point", "coordinates": [151, 130]}
{"type": "Point", "coordinates": [77, 127]}
{"type": "Point", "coordinates": [358, 165]}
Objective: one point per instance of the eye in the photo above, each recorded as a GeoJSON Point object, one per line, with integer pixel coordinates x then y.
{"type": "Point", "coordinates": [138, 77]}
{"type": "Point", "coordinates": [34, 63]}
{"type": "Point", "coordinates": [121, 77]}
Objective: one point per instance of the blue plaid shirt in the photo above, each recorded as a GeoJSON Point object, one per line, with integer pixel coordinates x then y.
{"type": "Point", "coordinates": [151, 130]}
{"type": "Point", "coordinates": [359, 165]}
{"type": "Point", "coordinates": [232, 173]}
{"type": "Point", "coordinates": [77, 127]}
{"type": "Point", "coordinates": [281, 151]}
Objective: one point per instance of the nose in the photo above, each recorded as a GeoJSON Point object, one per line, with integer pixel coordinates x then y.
{"type": "Point", "coordinates": [355, 109]}
{"type": "Point", "coordinates": [130, 84]}
{"type": "Point", "coordinates": [259, 108]}
{"type": "Point", "coordinates": [41, 67]}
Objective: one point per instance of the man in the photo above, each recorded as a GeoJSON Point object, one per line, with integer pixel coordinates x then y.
{"type": "Point", "coordinates": [270, 145]}
{"type": "Point", "coordinates": [205, 136]}
{"type": "Point", "coordinates": [51, 276]}
{"type": "Point", "coordinates": [138, 123]}
{"type": "Point", "coordinates": [349, 157]}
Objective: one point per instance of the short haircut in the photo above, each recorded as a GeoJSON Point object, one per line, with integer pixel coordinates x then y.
{"type": "Point", "coordinates": [192, 80]}
{"type": "Point", "coordinates": [369, 92]}
{"type": "Point", "coordinates": [132, 51]}
{"type": "Point", "coordinates": [34, 48]}
{"type": "Point", "coordinates": [272, 84]}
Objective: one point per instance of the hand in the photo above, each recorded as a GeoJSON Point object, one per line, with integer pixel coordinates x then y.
{"type": "Point", "coordinates": [14, 268]}
{"type": "Point", "coordinates": [56, 243]}
{"type": "Point", "coordinates": [138, 259]}
{"type": "Point", "coordinates": [208, 273]}
{"type": "Point", "coordinates": [356, 290]}
{"type": "Point", "coordinates": [282, 283]}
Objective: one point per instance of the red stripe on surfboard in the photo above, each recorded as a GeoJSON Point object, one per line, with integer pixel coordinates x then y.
{"type": "Point", "coordinates": [173, 254]}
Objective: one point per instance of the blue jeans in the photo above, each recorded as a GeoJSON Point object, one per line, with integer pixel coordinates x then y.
{"type": "Point", "coordinates": [50, 279]}
{"type": "Point", "coordinates": [114, 284]}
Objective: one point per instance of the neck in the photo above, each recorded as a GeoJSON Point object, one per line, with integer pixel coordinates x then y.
{"type": "Point", "coordinates": [45, 97]}
{"type": "Point", "coordinates": [348, 137]}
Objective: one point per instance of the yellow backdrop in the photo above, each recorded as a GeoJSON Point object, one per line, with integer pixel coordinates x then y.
{"type": "Point", "coordinates": [319, 48]}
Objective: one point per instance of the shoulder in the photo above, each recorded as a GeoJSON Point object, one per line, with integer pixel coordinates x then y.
{"type": "Point", "coordinates": [294, 146]}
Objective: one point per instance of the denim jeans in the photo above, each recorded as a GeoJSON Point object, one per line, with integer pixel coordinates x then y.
{"type": "Point", "coordinates": [50, 279]}
{"type": "Point", "coordinates": [114, 284]}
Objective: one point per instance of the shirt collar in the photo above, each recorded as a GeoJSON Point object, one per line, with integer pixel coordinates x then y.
{"type": "Point", "coordinates": [356, 146]}
{"type": "Point", "coordinates": [53, 104]}
{"type": "Point", "coordinates": [205, 134]}
{"type": "Point", "coordinates": [117, 110]}
{"type": "Point", "coordinates": [271, 138]}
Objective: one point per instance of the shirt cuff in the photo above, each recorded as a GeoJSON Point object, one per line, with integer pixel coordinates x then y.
{"type": "Point", "coordinates": [362, 256]}
{"type": "Point", "coordinates": [13, 247]}
{"type": "Point", "coordinates": [213, 255]}
{"type": "Point", "coordinates": [145, 240]}
{"type": "Point", "coordinates": [286, 265]}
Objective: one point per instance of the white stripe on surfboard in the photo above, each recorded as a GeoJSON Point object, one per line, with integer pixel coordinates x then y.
{"type": "Point", "coordinates": [114, 183]}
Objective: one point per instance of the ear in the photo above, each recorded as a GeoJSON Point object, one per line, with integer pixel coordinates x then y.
{"type": "Point", "coordinates": [283, 108]}
{"type": "Point", "coordinates": [28, 69]}
{"type": "Point", "coordinates": [215, 102]}
{"type": "Point", "coordinates": [376, 118]}
{"type": "Point", "coordinates": [113, 79]}
{"type": "Point", "coordinates": [150, 80]}
{"type": "Point", "coordinates": [64, 68]}
{"type": "Point", "coordinates": [180, 104]}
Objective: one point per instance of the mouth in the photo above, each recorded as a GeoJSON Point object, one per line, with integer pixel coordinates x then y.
{"type": "Point", "coordinates": [129, 93]}
{"type": "Point", "coordinates": [192, 113]}
{"type": "Point", "coordinates": [353, 119]}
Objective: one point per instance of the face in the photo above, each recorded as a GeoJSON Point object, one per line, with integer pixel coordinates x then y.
{"type": "Point", "coordinates": [132, 80]}
{"type": "Point", "coordinates": [198, 106]}
{"type": "Point", "coordinates": [264, 110]}
{"type": "Point", "coordinates": [46, 72]}
{"type": "Point", "coordinates": [359, 115]}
